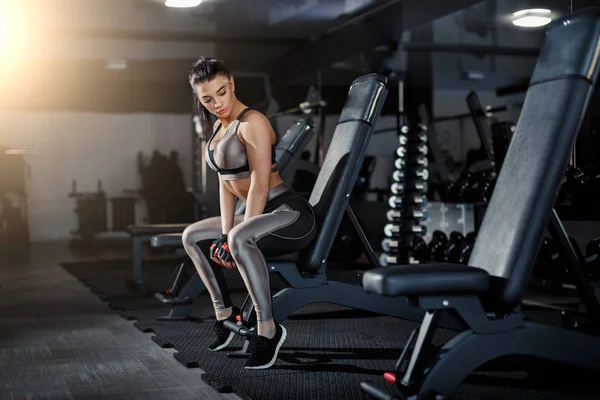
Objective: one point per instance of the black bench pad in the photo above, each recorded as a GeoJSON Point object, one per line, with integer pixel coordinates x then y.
{"type": "Point", "coordinates": [426, 279]}
{"type": "Point", "coordinates": [155, 229]}
{"type": "Point", "coordinates": [167, 240]}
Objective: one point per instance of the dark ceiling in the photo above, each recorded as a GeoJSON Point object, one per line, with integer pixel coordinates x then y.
{"type": "Point", "coordinates": [291, 41]}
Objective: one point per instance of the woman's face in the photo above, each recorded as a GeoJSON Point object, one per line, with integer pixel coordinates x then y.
{"type": "Point", "coordinates": [217, 95]}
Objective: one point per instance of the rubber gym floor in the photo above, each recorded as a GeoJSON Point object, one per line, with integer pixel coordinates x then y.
{"type": "Point", "coordinates": [70, 330]}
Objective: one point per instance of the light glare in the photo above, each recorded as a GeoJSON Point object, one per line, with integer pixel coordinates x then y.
{"type": "Point", "coordinates": [182, 3]}
{"type": "Point", "coordinates": [532, 18]}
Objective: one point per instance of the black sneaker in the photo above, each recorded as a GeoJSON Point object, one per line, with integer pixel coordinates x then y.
{"type": "Point", "coordinates": [224, 335]}
{"type": "Point", "coordinates": [264, 351]}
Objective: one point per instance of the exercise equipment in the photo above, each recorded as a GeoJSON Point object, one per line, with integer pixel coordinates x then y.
{"type": "Point", "coordinates": [551, 264]}
{"type": "Point", "coordinates": [471, 187]}
{"type": "Point", "coordinates": [91, 210]}
{"type": "Point", "coordinates": [14, 211]}
{"type": "Point", "coordinates": [164, 190]}
{"type": "Point", "coordinates": [487, 293]}
{"type": "Point", "coordinates": [288, 150]}
{"type": "Point", "coordinates": [306, 273]}
{"type": "Point", "coordinates": [467, 248]}
{"type": "Point", "coordinates": [394, 215]}
{"type": "Point", "coordinates": [437, 246]}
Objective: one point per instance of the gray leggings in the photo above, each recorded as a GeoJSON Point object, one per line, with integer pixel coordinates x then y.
{"type": "Point", "coordinates": [286, 226]}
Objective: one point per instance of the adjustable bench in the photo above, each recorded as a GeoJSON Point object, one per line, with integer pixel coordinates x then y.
{"type": "Point", "coordinates": [305, 273]}
{"type": "Point", "coordinates": [288, 150]}
{"type": "Point", "coordinates": [486, 295]}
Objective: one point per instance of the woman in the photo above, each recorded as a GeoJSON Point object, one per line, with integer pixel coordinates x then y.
{"type": "Point", "coordinates": [276, 221]}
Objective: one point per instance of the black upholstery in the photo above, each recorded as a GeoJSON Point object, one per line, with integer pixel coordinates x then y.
{"type": "Point", "coordinates": [527, 186]}
{"type": "Point", "coordinates": [426, 279]}
{"type": "Point", "coordinates": [334, 183]}
{"type": "Point", "coordinates": [166, 240]}
{"type": "Point", "coordinates": [293, 142]}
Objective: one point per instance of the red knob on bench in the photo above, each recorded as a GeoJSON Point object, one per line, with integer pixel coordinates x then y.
{"type": "Point", "coordinates": [390, 377]}
{"type": "Point", "coordinates": [238, 318]}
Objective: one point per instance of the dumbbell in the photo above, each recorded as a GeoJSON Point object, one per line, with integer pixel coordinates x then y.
{"type": "Point", "coordinates": [467, 248]}
{"type": "Point", "coordinates": [419, 173]}
{"type": "Point", "coordinates": [386, 260]}
{"type": "Point", "coordinates": [403, 151]}
{"type": "Point", "coordinates": [412, 186]}
{"type": "Point", "coordinates": [454, 246]}
{"type": "Point", "coordinates": [397, 229]}
{"type": "Point", "coordinates": [416, 137]}
{"type": "Point", "coordinates": [396, 215]}
{"type": "Point", "coordinates": [437, 246]}
{"type": "Point", "coordinates": [395, 245]}
{"type": "Point", "coordinates": [411, 161]}
{"type": "Point", "coordinates": [411, 199]}
{"type": "Point", "coordinates": [420, 249]}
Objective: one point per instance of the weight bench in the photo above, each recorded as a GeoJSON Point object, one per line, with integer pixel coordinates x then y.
{"type": "Point", "coordinates": [487, 293]}
{"type": "Point", "coordinates": [305, 273]}
{"type": "Point", "coordinates": [287, 151]}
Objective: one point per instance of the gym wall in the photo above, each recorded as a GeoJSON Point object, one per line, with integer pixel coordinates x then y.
{"type": "Point", "coordinates": [87, 147]}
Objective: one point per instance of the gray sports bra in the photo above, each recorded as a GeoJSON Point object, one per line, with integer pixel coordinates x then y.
{"type": "Point", "coordinates": [229, 157]}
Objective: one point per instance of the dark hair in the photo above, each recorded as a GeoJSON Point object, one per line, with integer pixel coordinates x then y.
{"type": "Point", "coordinates": [203, 70]}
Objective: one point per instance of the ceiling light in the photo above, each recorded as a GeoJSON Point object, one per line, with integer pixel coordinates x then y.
{"type": "Point", "coordinates": [182, 3]}
{"type": "Point", "coordinates": [532, 18]}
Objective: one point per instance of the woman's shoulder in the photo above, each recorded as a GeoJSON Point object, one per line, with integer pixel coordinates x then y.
{"type": "Point", "coordinates": [252, 115]}
{"type": "Point", "coordinates": [254, 118]}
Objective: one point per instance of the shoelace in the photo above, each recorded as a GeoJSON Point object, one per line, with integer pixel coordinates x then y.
{"type": "Point", "coordinates": [258, 343]}
{"type": "Point", "coordinates": [218, 328]}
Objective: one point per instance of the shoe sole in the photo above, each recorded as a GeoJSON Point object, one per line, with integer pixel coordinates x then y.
{"type": "Point", "coordinates": [227, 342]}
{"type": "Point", "coordinates": [270, 364]}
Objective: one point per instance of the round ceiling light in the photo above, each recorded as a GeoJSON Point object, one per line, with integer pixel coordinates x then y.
{"type": "Point", "coordinates": [532, 18]}
{"type": "Point", "coordinates": [182, 3]}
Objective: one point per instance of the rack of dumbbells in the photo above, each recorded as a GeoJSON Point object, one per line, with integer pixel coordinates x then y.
{"type": "Point", "coordinates": [408, 199]}
{"type": "Point", "coordinates": [473, 188]}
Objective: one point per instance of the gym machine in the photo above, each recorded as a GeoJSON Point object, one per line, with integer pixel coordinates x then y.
{"type": "Point", "coordinates": [92, 209]}
{"type": "Point", "coordinates": [14, 214]}
{"type": "Point", "coordinates": [486, 295]}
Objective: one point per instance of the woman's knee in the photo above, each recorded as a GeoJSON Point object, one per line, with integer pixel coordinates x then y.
{"type": "Point", "coordinates": [186, 236]}
{"type": "Point", "coordinates": [209, 228]}
{"type": "Point", "coordinates": [239, 238]}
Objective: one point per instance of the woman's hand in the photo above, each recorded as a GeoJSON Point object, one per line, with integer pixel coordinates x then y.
{"type": "Point", "coordinates": [220, 253]}
{"type": "Point", "coordinates": [224, 254]}
{"type": "Point", "coordinates": [214, 248]}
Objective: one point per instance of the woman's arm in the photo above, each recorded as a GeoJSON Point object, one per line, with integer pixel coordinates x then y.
{"type": "Point", "coordinates": [227, 205]}
{"type": "Point", "coordinates": [256, 134]}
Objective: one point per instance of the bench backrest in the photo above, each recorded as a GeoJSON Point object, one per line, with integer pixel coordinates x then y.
{"type": "Point", "coordinates": [528, 183]}
{"type": "Point", "coordinates": [292, 144]}
{"type": "Point", "coordinates": [342, 163]}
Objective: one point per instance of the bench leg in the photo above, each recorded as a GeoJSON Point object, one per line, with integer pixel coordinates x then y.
{"type": "Point", "coordinates": [136, 284]}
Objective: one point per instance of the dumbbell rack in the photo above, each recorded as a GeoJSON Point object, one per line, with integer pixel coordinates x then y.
{"type": "Point", "coordinates": [408, 200]}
